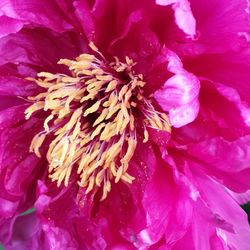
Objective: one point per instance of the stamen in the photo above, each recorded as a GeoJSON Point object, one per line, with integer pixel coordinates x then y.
{"type": "Point", "coordinates": [93, 119]}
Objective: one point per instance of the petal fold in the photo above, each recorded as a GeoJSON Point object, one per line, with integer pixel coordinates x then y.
{"type": "Point", "coordinates": [183, 15]}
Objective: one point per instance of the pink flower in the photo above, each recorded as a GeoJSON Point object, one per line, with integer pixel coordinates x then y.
{"type": "Point", "coordinates": [138, 138]}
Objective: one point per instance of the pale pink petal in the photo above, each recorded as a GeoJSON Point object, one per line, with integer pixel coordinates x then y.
{"type": "Point", "coordinates": [179, 94]}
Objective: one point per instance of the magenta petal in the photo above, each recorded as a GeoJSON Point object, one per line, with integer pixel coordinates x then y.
{"type": "Point", "coordinates": [11, 116]}
{"type": "Point", "coordinates": [18, 169]}
{"type": "Point", "coordinates": [222, 25]}
{"type": "Point", "coordinates": [6, 227]}
{"type": "Point", "coordinates": [158, 207]}
{"type": "Point", "coordinates": [233, 96]}
{"type": "Point", "coordinates": [9, 25]}
{"type": "Point", "coordinates": [183, 15]}
{"type": "Point", "coordinates": [230, 68]}
{"type": "Point", "coordinates": [228, 210]}
{"type": "Point", "coordinates": [134, 17]}
{"type": "Point", "coordinates": [40, 52]}
{"type": "Point", "coordinates": [30, 233]}
{"type": "Point", "coordinates": [241, 198]}
{"type": "Point", "coordinates": [25, 233]}
{"type": "Point", "coordinates": [159, 137]}
{"type": "Point", "coordinates": [14, 86]}
{"type": "Point", "coordinates": [230, 155]}
{"type": "Point", "coordinates": [58, 233]}
{"type": "Point", "coordinates": [9, 101]}
{"type": "Point", "coordinates": [228, 161]}
{"type": "Point", "coordinates": [83, 13]}
{"type": "Point", "coordinates": [209, 238]}
{"type": "Point", "coordinates": [7, 208]}
{"type": "Point", "coordinates": [220, 105]}
{"type": "Point", "coordinates": [167, 206]}
{"type": "Point", "coordinates": [57, 238]}
{"type": "Point", "coordinates": [45, 13]}
{"type": "Point", "coordinates": [212, 206]}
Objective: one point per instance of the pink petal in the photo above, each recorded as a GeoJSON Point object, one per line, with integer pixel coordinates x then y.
{"type": "Point", "coordinates": [183, 115]}
{"type": "Point", "coordinates": [179, 95]}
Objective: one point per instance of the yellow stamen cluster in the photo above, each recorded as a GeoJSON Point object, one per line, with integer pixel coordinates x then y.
{"type": "Point", "coordinates": [93, 115]}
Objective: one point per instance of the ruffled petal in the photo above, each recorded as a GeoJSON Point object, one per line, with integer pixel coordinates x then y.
{"type": "Point", "coordinates": [228, 109]}
{"type": "Point", "coordinates": [179, 94]}
{"type": "Point", "coordinates": [183, 15]}
{"type": "Point", "coordinates": [206, 196]}
{"type": "Point", "coordinates": [227, 161]}
{"type": "Point", "coordinates": [168, 208]}
{"type": "Point", "coordinates": [233, 96]}
{"type": "Point", "coordinates": [235, 231]}
{"type": "Point", "coordinates": [230, 69]}
{"type": "Point", "coordinates": [223, 113]}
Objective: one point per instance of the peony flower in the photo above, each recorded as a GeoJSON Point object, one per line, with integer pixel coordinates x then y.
{"type": "Point", "coordinates": [124, 124]}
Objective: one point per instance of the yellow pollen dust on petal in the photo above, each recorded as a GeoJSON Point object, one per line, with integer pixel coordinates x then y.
{"type": "Point", "coordinates": [92, 118]}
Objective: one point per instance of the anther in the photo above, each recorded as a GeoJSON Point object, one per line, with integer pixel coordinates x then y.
{"type": "Point", "coordinates": [94, 119]}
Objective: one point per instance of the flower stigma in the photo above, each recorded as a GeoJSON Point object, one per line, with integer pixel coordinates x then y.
{"type": "Point", "coordinates": [94, 116]}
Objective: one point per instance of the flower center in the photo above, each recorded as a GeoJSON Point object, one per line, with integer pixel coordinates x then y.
{"type": "Point", "coordinates": [94, 117]}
